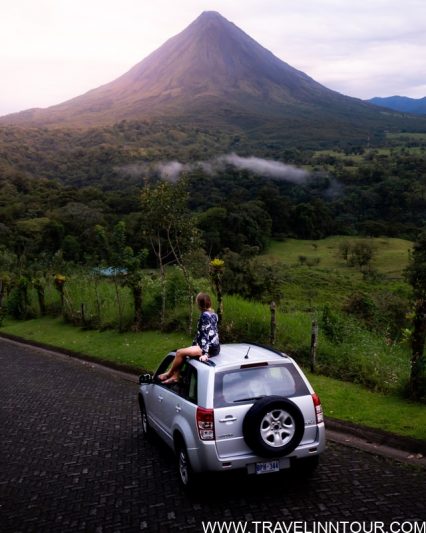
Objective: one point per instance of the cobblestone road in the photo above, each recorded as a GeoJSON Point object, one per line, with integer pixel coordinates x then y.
{"type": "Point", "coordinates": [72, 458]}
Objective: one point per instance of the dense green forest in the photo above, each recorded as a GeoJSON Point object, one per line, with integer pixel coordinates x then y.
{"type": "Point", "coordinates": [57, 187]}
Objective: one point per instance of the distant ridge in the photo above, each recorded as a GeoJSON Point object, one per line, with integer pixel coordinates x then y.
{"type": "Point", "coordinates": [403, 104]}
{"type": "Point", "coordinates": [214, 75]}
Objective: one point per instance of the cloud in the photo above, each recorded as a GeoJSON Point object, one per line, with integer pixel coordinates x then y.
{"type": "Point", "coordinates": [172, 170]}
{"type": "Point", "coordinates": [348, 46]}
{"type": "Point", "coordinates": [267, 168]}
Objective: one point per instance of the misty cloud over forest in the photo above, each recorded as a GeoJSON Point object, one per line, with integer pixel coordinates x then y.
{"type": "Point", "coordinates": [172, 170]}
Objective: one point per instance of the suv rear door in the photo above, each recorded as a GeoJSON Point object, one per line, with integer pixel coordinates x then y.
{"type": "Point", "coordinates": [237, 390]}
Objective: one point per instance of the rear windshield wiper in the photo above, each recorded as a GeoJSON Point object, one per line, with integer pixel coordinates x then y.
{"type": "Point", "coordinates": [247, 399]}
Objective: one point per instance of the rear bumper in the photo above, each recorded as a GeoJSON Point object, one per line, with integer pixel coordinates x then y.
{"type": "Point", "coordinates": [205, 457]}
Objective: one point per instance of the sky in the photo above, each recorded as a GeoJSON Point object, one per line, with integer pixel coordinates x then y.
{"type": "Point", "coordinates": [54, 50]}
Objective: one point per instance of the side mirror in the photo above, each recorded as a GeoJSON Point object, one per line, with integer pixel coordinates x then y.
{"type": "Point", "coordinates": [145, 378]}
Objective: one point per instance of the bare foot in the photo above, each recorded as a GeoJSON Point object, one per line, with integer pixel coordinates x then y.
{"type": "Point", "coordinates": [171, 380]}
{"type": "Point", "coordinates": [163, 377]}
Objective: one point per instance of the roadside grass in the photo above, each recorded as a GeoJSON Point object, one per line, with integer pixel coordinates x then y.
{"type": "Point", "coordinates": [137, 351]}
{"type": "Point", "coordinates": [353, 403]}
{"type": "Point", "coordinates": [143, 351]}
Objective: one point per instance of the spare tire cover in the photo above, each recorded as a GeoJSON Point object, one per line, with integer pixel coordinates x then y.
{"type": "Point", "coordinates": [273, 426]}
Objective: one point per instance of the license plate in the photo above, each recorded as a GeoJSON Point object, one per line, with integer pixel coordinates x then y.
{"type": "Point", "coordinates": [267, 467]}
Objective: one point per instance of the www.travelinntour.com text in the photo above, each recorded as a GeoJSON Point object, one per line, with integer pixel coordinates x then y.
{"type": "Point", "coordinates": [254, 526]}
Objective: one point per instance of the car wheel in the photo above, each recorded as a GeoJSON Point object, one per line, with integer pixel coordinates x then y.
{"type": "Point", "coordinates": [273, 426]}
{"type": "Point", "coordinates": [146, 428]}
{"type": "Point", "coordinates": [187, 476]}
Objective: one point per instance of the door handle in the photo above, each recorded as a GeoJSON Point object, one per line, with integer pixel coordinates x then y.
{"type": "Point", "coordinates": [178, 408]}
{"type": "Point", "coordinates": [228, 419]}
{"type": "Point", "coordinates": [160, 398]}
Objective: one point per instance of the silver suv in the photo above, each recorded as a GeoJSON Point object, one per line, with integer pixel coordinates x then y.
{"type": "Point", "coordinates": [250, 407]}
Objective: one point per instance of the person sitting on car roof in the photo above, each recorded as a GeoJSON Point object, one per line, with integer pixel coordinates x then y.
{"type": "Point", "coordinates": [206, 343]}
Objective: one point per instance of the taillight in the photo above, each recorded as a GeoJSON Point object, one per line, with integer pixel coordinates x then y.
{"type": "Point", "coordinates": [318, 409]}
{"type": "Point", "coordinates": [205, 423]}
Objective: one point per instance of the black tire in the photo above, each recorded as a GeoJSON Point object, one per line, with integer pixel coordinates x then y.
{"type": "Point", "coordinates": [146, 428]}
{"type": "Point", "coordinates": [273, 426]}
{"type": "Point", "coordinates": [187, 476]}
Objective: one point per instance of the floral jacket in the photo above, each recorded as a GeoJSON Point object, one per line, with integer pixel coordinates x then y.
{"type": "Point", "coordinates": [207, 336]}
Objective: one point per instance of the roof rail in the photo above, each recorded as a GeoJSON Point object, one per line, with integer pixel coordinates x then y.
{"type": "Point", "coordinates": [270, 348]}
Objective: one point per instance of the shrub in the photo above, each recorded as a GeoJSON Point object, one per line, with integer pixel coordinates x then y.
{"type": "Point", "coordinates": [332, 325]}
{"type": "Point", "coordinates": [362, 306]}
{"type": "Point", "coordinates": [313, 261]}
{"type": "Point", "coordinates": [18, 301]}
{"type": "Point", "coordinates": [384, 312]}
{"type": "Point", "coordinates": [15, 306]}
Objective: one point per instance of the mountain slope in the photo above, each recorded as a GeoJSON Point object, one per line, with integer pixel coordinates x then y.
{"type": "Point", "coordinates": [215, 75]}
{"type": "Point", "coordinates": [402, 104]}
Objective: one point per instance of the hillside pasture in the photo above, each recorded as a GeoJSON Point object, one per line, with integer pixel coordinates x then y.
{"type": "Point", "coordinates": [391, 254]}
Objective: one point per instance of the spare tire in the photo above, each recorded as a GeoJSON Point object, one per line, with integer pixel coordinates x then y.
{"type": "Point", "coordinates": [273, 426]}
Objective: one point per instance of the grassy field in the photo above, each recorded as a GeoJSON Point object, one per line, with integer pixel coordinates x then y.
{"type": "Point", "coordinates": [143, 351]}
{"type": "Point", "coordinates": [332, 281]}
{"type": "Point", "coordinates": [406, 142]}
{"type": "Point", "coordinates": [407, 136]}
{"type": "Point", "coordinates": [391, 255]}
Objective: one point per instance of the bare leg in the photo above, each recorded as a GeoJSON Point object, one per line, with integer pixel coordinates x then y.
{"type": "Point", "coordinates": [181, 355]}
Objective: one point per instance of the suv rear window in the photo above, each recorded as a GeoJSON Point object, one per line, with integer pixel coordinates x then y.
{"type": "Point", "coordinates": [246, 384]}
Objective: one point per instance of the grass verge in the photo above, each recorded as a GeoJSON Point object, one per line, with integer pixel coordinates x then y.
{"type": "Point", "coordinates": [354, 403]}
{"type": "Point", "coordinates": [143, 351]}
{"type": "Point", "coordinates": [138, 351]}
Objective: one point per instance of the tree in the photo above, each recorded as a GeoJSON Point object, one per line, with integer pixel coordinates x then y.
{"type": "Point", "coordinates": [39, 283]}
{"type": "Point", "coordinates": [344, 249]}
{"type": "Point", "coordinates": [251, 277]}
{"type": "Point", "coordinates": [416, 276]}
{"type": "Point", "coordinates": [127, 267]}
{"type": "Point", "coordinates": [361, 254]}
{"type": "Point", "coordinates": [213, 224]}
{"type": "Point", "coordinates": [170, 228]}
{"type": "Point", "coordinates": [312, 220]}
{"type": "Point", "coordinates": [71, 249]}
{"type": "Point", "coordinates": [216, 274]}
{"type": "Point", "coordinates": [358, 254]}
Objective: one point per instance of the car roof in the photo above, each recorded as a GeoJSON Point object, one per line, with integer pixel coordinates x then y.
{"type": "Point", "coordinates": [245, 353]}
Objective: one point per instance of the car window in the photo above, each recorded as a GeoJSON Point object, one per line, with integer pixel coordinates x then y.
{"type": "Point", "coordinates": [246, 384]}
{"type": "Point", "coordinates": [187, 386]}
{"type": "Point", "coordinates": [164, 365]}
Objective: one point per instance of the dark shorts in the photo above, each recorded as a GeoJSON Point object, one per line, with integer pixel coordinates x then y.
{"type": "Point", "coordinates": [214, 350]}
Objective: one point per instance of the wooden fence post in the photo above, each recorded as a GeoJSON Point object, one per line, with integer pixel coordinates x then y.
{"type": "Point", "coordinates": [314, 344]}
{"type": "Point", "coordinates": [273, 334]}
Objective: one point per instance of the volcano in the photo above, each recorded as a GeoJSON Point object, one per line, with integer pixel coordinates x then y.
{"type": "Point", "coordinates": [213, 74]}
